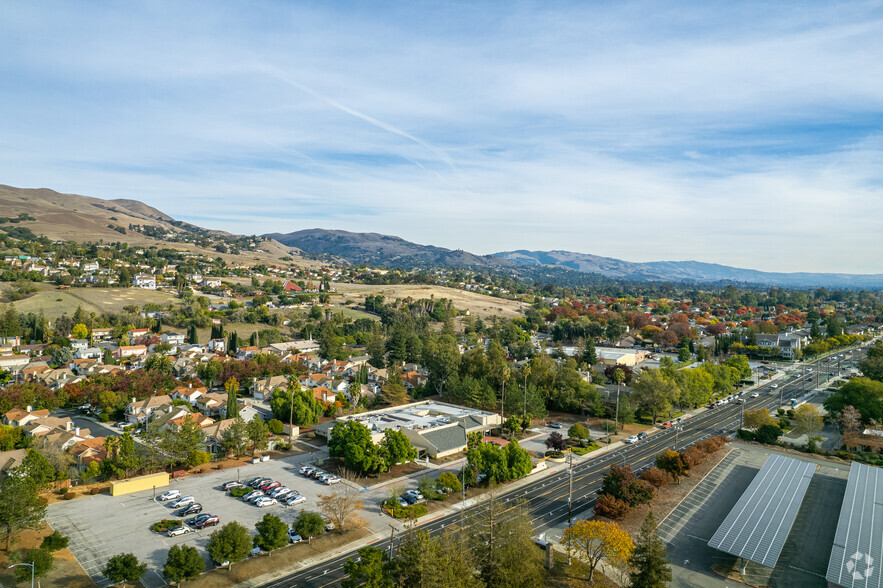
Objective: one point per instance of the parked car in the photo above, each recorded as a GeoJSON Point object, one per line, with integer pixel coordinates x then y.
{"type": "Point", "coordinates": [269, 485]}
{"type": "Point", "coordinates": [294, 537]}
{"type": "Point", "coordinates": [331, 480]}
{"type": "Point", "coordinates": [252, 494]}
{"type": "Point", "coordinates": [254, 551]}
{"type": "Point", "coordinates": [198, 519]}
{"type": "Point", "coordinates": [209, 522]}
{"type": "Point", "coordinates": [183, 501]}
{"type": "Point", "coordinates": [257, 497]}
{"type": "Point", "coordinates": [282, 495]}
{"type": "Point", "coordinates": [555, 425]}
{"type": "Point", "coordinates": [296, 499]}
{"type": "Point", "coordinates": [631, 439]}
{"type": "Point", "coordinates": [169, 495]}
{"type": "Point", "coordinates": [231, 485]}
{"type": "Point", "coordinates": [254, 481]}
{"type": "Point", "coordinates": [278, 491]}
{"type": "Point", "coordinates": [194, 508]}
{"type": "Point", "coordinates": [410, 499]}
{"type": "Point", "coordinates": [262, 502]}
{"type": "Point", "coordinates": [258, 481]}
{"type": "Point", "coordinates": [329, 526]}
{"type": "Point", "coordinates": [305, 470]}
{"type": "Point", "coordinates": [324, 477]}
{"type": "Point", "coordinates": [317, 473]}
{"type": "Point", "coordinates": [179, 531]}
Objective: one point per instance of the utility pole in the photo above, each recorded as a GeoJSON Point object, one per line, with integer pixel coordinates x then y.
{"type": "Point", "coordinates": [570, 491]}
{"type": "Point", "coordinates": [391, 537]}
{"type": "Point", "coordinates": [526, 374]}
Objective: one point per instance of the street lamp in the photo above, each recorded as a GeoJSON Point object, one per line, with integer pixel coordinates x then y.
{"type": "Point", "coordinates": [26, 564]}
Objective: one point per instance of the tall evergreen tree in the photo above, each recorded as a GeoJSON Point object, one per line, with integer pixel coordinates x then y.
{"type": "Point", "coordinates": [192, 336]}
{"type": "Point", "coordinates": [232, 387]}
{"type": "Point", "coordinates": [254, 339]}
{"type": "Point", "coordinates": [650, 567]}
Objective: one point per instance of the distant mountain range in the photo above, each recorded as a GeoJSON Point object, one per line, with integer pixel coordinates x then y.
{"type": "Point", "coordinates": [388, 251]}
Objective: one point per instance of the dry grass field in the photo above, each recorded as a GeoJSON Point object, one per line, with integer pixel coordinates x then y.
{"type": "Point", "coordinates": [54, 302]}
{"type": "Point", "coordinates": [477, 304]}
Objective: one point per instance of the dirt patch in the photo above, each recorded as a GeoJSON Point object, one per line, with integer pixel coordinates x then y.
{"type": "Point", "coordinates": [670, 496]}
{"type": "Point", "coordinates": [279, 559]}
{"type": "Point", "coordinates": [397, 471]}
{"type": "Point", "coordinates": [65, 570]}
{"type": "Point", "coordinates": [477, 304]}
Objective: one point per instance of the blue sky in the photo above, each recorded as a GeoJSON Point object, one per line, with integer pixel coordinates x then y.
{"type": "Point", "coordinates": [742, 133]}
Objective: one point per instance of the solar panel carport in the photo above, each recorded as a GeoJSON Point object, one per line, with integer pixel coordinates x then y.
{"type": "Point", "coordinates": [758, 525]}
{"type": "Point", "coordinates": [858, 544]}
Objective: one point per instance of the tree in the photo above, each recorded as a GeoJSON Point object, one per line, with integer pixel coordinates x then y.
{"type": "Point", "coordinates": [235, 438]}
{"type": "Point", "coordinates": [649, 564]}
{"type": "Point", "coordinates": [809, 420]}
{"type": "Point", "coordinates": [449, 480]}
{"type": "Point", "coordinates": [232, 543]}
{"type": "Point", "coordinates": [673, 463]}
{"type": "Point", "coordinates": [80, 331]}
{"type": "Point", "coordinates": [654, 392]}
{"type": "Point", "coordinates": [183, 563]}
{"type": "Point", "coordinates": [38, 468]}
{"type": "Point", "coordinates": [180, 445]}
{"type": "Point", "coordinates": [755, 419]}
{"type": "Point", "coordinates": [232, 387]}
{"type": "Point", "coordinates": [621, 482]}
{"type": "Point", "coordinates": [19, 505]}
{"type": "Point", "coordinates": [272, 533]}
{"type": "Point", "coordinates": [656, 478]}
{"type": "Point", "coordinates": [394, 392]}
{"type": "Point", "coordinates": [351, 441]}
{"type": "Point", "coordinates": [305, 409]}
{"type": "Point", "coordinates": [502, 545]}
{"type": "Point", "coordinates": [308, 524]}
{"type": "Point", "coordinates": [342, 508]}
{"type": "Point", "coordinates": [369, 570]}
{"type": "Point", "coordinates": [768, 434]}
{"type": "Point", "coordinates": [396, 448]}
{"type": "Point", "coordinates": [864, 394]}
{"type": "Point", "coordinates": [124, 567]}
{"type": "Point", "coordinates": [851, 419]}
{"type": "Point", "coordinates": [611, 507]}
{"type": "Point", "coordinates": [555, 442]}
{"type": "Point", "coordinates": [54, 541]}
{"type": "Point", "coordinates": [275, 426]}
{"type": "Point", "coordinates": [579, 432]}
{"type": "Point", "coordinates": [592, 541]}
{"type": "Point", "coordinates": [512, 424]}
{"type": "Point", "coordinates": [258, 434]}
{"type": "Point", "coordinates": [41, 558]}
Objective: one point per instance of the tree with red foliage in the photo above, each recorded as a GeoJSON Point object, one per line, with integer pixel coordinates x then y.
{"type": "Point", "coordinates": [611, 507]}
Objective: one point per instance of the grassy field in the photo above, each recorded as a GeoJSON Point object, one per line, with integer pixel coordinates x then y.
{"type": "Point", "coordinates": [477, 304]}
{"type": "Point", "coordinates": [55, 303]}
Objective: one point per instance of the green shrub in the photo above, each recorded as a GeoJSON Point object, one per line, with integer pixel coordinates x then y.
{"type": "Point", "coordinates": [554, 454]}
{"type": "Point", "coordinates": [784, 424]}
{"type": "Point", "coordinates": [54, 542]}
{"type": "Point", "coordinates": [239, 492]}
{"type": "Point", "coordinates": [781, 411]}
{"type": "Point", "coordinates": [164, 525]}
{"type": "Point", "coordinates": [745, 435]}
{"type": "Point", "coordinates": [790, 413]}
{"type": "Point", "coordinates": [276, 427]}
{"type": "Point", "coordinates": [62, 491]}
{"type": "Point", "coordinates": [403, 512]}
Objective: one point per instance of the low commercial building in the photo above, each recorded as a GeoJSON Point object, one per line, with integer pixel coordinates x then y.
{"type": "Point", "coordinates": [435, 429]}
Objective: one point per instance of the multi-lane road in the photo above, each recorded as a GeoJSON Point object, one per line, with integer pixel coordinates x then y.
{"type": "Point", "coordinates": [547, 496]}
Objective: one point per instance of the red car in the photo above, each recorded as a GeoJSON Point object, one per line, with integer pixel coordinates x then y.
{"type": "Point", "coordinates": [666, 425]}
{"type": "Point", "coordinates": [208, 522]}
{"type": "Point", "coordinates": [270, 486]}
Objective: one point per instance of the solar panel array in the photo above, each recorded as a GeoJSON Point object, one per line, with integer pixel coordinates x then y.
{"type": "Point", "coordinates": [758, 525]}
{"type": "Point", "coordinates": [858, 544]}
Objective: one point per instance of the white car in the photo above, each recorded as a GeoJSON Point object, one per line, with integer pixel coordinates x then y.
{"type": "Point", "coordinates": [183, 501]}
{"type": "Point", "coordinates": [265, 502]}
{"type": "Point", "coordinates": [277, 492]}
{"type": "Point", "coordinates": [632, 439]}
{"type": "Point", "coordinates": [755, 395]}
{"type": "Point", "coordinates": [331, 480]}
{"type": "Point", "coordinates": [295, 500]}
{"type": "Point", "coordinates": [774, 386]}
{"type": "Point", "coordinates": [294, 537]}
{"type": "Point", "coordinates": [169, 495]}
{"type": "Point", "coordinates": [179, 531]}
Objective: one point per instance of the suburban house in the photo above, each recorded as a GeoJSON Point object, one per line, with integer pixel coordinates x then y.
{"type": "Point", "coordinates": [414, 380]}
{"type": "Point", "coordinates": [212, 404]}
{"type": "Point", "coordinates": [214, 433]}
{"type": "Point", "coordinates": [139, 411]}
{"type": "Point", "coordinates": [290, 286]}
{"type": "Point", "coordinates": [247, 352]}
{"type": "Point", "coordinates": [130, 351]}
{"type": "Point", "coordinates": [19, 418]}
{"type": "Point", "coordinates": [9, 460]}
{"type": "Point", "coordinates": [102, 334]}
{"type": "Point", "coordinates": [89, 450]}
{"type": "Point", "coordinates": [188, 393]}
{"type": "Point", "coordinates": [263, 389]}
{"type": "Point", "coordinates": [173, 339]}
{"type": "Point", "coordinates": [211, 283]}
{"type": "Point", "coordinates": [137, 334]}
{"type": "Point", "coordinates": [217, 345]}
{"type": "Point", "coordinates": [786, 343]}
{"type": "Point", "coordinates": [323, 394]}
{"type": "Point", "coordinates": [89, 353]}
{"type": "Point", "coordinates": [12, 362]}
{"type": "Point", "coordinates": [144, 281]}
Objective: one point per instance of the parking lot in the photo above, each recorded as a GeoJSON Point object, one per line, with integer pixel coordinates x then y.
{"type": "Point", "coordinates": [102, 526]}
{"type": "Point", "coordinates": [804, 559]}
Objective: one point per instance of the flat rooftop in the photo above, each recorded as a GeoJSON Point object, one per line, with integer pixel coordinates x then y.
{"type": "Point", "coordinates": [421, 416]}
{"type": "Point", "coordinates": [758, 525]}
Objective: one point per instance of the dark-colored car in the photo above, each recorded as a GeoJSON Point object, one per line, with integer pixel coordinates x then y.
{"type": "Point", "coordinates": [209, 522]}
{"type": "Point", "coordinates": [198, 519]}
{"type": "Point", "coordinates": [642, 436]}
{"type": "Point", "coordinates": [190, 510]}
